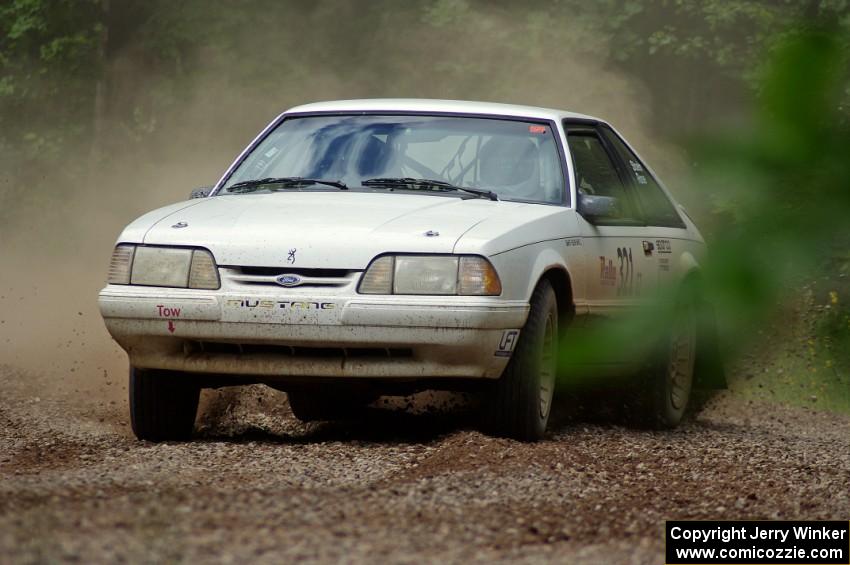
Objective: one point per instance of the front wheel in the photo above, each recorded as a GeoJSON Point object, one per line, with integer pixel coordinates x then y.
{"type": "Point", "coordinates": [163, 404]}
{"type": "Point", "coordinates": [519, 403]}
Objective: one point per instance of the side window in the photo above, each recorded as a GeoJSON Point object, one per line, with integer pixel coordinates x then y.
{"type": "Point", "coordinates": [658, 210]}
{"type": "Point", "coordinates": [595, 172]}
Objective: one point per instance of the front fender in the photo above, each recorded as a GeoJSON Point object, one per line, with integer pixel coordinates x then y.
{"type": "Point", "coordinates": [521, 269]}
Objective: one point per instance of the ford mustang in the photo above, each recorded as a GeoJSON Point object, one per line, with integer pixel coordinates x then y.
{"type": "Point", "coordinates": [358, 248]}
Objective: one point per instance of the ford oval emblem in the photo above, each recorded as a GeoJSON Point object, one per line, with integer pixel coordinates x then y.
{"type": "Point", "coordinates": [288, 280]}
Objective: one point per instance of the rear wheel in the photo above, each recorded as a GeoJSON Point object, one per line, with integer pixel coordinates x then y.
{"type": "Point", "coordinates": [668, 388]}
{"type": "Point", "coordinates": [519, 403]}
{"type": "Point", "coordinates": [163, 404]}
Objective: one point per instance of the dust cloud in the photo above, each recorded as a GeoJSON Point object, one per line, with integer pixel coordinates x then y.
{"type": "Point", "coordinates": [58, 232]}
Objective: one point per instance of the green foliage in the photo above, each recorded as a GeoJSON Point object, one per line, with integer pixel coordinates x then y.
{"type": "Point", "coordinates": [48, 54]}
{"type": "Point", "coordinates": [700, 59]}
{"type": "Point", "coordinates": [445, 12]}
{"type": "Point", "coordinates": [786, 178]}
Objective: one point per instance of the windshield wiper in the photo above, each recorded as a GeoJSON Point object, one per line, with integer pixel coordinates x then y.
{"type": "Point", "coordinates": [407, 183]}
{"type": "Point", "coordinates": [286, 182]}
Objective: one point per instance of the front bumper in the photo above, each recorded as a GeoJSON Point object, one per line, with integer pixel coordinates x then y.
{"type": "Point", "coordinates": [282, 335]}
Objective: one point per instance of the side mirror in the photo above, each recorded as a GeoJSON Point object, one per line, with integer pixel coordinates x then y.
{"type": "Point", "coordinates": [202, 192]}
{"type": "Point", "coordinates": [598, 207]}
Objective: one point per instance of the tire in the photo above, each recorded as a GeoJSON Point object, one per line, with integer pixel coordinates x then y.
{"type": "Point", "coordinates": [162, 405]}
{"type": "Point", "coordinates": [316, 405]}
{"type": "Point", "coordinates": [670, 381]}
{"type": "Point", "coordinates": [519, 403]}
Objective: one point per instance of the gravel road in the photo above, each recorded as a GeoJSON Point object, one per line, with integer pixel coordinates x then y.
{"type": "Point", "coordinates": [258, 486]}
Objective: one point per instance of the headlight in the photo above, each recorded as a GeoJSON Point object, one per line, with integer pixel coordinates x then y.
{"type": "Point", "coordinates": [431, 275]}
{"type": "Point", "coordinates": [425, 275]}
{"type": "Point", "coordinates": [175, 267]}
{"type": "Point", "coordinates": [161, 266]}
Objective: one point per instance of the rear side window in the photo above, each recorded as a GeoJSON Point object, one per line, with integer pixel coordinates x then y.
{"type": "Point", "coordinates": [595, 173]}
{"type": "Point", "coordinates": [657, 208]}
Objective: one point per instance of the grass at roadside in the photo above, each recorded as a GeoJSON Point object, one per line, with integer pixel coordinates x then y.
{"type": "Point", "coordinates": [803, 357]}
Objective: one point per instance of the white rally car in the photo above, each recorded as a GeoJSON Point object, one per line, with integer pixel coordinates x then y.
{"type": "Point", "coordinates": [377, 246]}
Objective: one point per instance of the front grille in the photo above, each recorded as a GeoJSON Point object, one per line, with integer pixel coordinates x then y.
{"type": "Point", "coordinates": [218, 347]}
{"type": "Point", "coordinates": [275, 271]}
{"type": "Point", "coordinates": [267, 276]}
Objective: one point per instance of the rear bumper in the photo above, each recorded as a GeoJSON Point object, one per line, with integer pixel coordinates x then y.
{"type": "Point", "coordinates": [280, 336]}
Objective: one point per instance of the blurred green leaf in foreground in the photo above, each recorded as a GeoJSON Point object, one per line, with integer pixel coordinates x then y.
{"type": "Point", "coordinates": [783, 187]}
{"type": "Point", "coordinates": [780, 196]}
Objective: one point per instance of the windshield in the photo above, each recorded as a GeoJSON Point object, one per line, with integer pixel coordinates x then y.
{"type": "Point", "coordinates": [517, 160]}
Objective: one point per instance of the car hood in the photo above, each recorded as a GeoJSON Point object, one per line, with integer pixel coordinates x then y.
{"type": "Point", "coordinates": [318, 229]}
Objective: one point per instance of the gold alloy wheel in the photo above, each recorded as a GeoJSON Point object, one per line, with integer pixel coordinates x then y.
{"type": "Point", "coordinates": [680, 368]}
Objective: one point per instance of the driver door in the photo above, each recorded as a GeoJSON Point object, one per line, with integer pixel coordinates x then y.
{"type": "Point", "coordinates": [619, 271]}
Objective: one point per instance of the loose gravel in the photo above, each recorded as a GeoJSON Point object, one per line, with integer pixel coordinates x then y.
{"type": "Point", "coordinates": [258, 486]}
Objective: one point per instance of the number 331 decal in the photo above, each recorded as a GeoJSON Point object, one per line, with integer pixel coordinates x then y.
{"type": "Point", "coordinates": [626, 286]}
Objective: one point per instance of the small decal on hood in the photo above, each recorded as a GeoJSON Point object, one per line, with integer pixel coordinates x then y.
{"type": "Point", "coordinates": [291, 258]}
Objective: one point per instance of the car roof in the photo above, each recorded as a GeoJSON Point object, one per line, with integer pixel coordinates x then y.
{"type": "Point", "coordinates": [437, 106]}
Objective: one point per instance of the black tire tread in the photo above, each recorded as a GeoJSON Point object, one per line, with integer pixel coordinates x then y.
{"type": "Point", "coordinates": [512, 408]}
